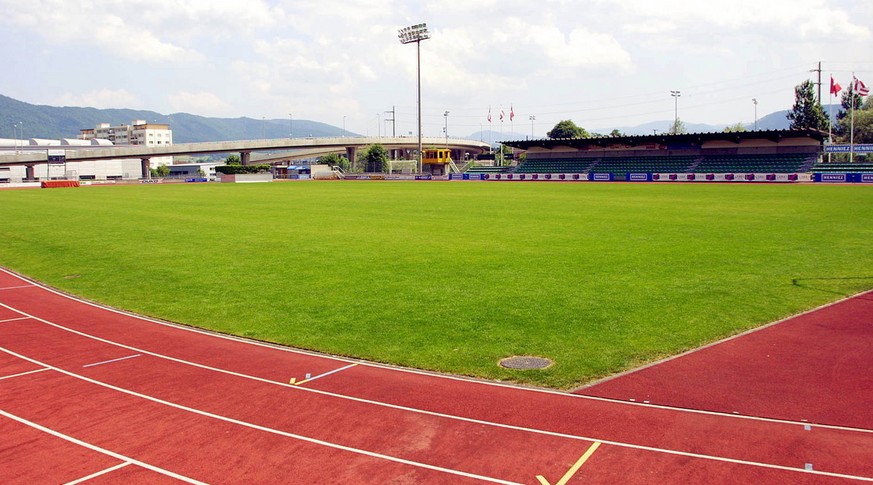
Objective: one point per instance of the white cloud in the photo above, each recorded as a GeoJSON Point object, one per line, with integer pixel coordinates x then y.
{"type": "Point", "coordinates": [98, 26]}
{"type": "Point", "coordinates": [202, 103]}
{"type": "Point", "coordinates": [326, 60]}
{"type": "Point", "coordinates": [101, 98]}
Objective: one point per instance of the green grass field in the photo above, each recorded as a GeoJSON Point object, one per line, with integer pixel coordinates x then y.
{"type": "Point", "coordinates": [454, 276]}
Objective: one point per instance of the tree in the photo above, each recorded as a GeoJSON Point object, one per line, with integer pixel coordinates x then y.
{"type": "Point", "coordinates": [233, 160]}
{"type": "Point", "coordinates": [863, 124]}
{"type": "Point", "coordinates": [807, 112]}
{"type": "Point", "coordinates": [616, 133]}
{"type": "Point", "coordinates": [567, 129]}
{"type": "Point", "coordinates": [334, 160]}
{"type": "Point", "coordinates": [162, 171]}
{"type": "Point", "coordinates": [373, 158]}
{"type": "Point", "coordinates": [735, 128]}
{"type": "Point", "coordinates": [848, 99]}
{"type": "Point", "coordinates": [678, 127]}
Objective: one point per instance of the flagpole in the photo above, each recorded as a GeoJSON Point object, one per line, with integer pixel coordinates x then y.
{"type": "Point", "coordinates": [490, 131]}
{"type": "Point", "coordinates": [852, 123]}
{"type": "Point", "coordinates": [831, 116]}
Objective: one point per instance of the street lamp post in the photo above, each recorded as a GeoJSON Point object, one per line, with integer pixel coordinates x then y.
{"type": "Point", "coordinates": [675, 95]}
{"type": "Point", "coordinates": [755, 102]}
{"type": "Point", "coordinates": [344, 126]}
{"type": "Point", "coordinates": [532, 118]}
{"type": "Point", "coordinates": [446, 128]}
{"type": "Point", "coordinates": [416, 33]}
{"type": "Point", "coordinates": [290, 126]}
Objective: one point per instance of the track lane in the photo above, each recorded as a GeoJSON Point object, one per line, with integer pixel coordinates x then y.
{"type": "Point", "coordinates": [191, 444]}
{"type": "Point", "coordinates": [498, 404]}
{"type": "Point", "coordinates": [468, 447]}
{"type": "Point", "coordinates": [790, 370]}
{"type": "Point", "coordinates": [53, 348]}
{"type": "Point", "coordinates": [26, 453]}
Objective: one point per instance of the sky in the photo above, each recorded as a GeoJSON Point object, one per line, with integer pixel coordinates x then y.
{"type": "Point", "coordinates": [600, 63]}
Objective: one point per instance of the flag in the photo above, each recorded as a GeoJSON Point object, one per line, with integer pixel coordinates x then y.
{"type": "Point", "coordinates": [501, 114]}
{"type": "Point", "coordinates": [860, 88]}
{"type": "Point", "coordinates": [511, 113]}
{"type": "Point", "coordinates": [489, 114]}
{"type": "Point", "coordinates": [835, 87]}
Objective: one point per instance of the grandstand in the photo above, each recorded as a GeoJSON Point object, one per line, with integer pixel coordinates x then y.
{"type": "Point", "coordinates": [555, 165]}
{"type": "Point", "coordinates": [488, 169]}
{"type": "Point", "coordinates": [788, 163]}
{"type": "Point", "coordinates": [773, 151]}
{"type": "Point", "coordinates": [644, 164]}
{"type": "Point", "coordinates": [857, 167]}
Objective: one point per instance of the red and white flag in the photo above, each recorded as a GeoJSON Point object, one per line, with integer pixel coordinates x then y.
{"type": "Point", "coordinates": [835, 86]}
{"type": "Point", "coordinates": [860, 88]}
{"type": "Point", "coordinates": [511, 113]}
{"type": "Point", "coordinates": [489, 114]}
{"type": "Point", "coordinates": [501, 115]}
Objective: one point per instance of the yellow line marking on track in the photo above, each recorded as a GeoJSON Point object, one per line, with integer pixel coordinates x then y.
{"type": "Point", "coordinates": [573, 469]}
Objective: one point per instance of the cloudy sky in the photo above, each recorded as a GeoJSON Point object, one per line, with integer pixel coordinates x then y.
{"type": "Point", "coordinates": [601, 63]}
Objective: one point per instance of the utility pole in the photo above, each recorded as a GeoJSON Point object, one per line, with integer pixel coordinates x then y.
{"type": "Point", "coordinates": [675, 95]}
{"type": "Point", "coordinates": [819, 81]}
{"type": "Point", "coordinates": [393, 124]}
{"type": "Point", "coordinates": [755, 101]}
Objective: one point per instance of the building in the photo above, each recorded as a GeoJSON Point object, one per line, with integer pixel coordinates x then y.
{"type": "Point", "coordinates": [755, 155]}
{"type": "Point", "coordinates": [138, 132]}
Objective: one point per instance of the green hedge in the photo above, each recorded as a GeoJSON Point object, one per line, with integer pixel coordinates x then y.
{"type": "Point", "coordinates": [236, 169]}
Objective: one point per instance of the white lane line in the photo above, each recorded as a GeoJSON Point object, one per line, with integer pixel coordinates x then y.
{"type": "Point", "coordinates": [14, 319]}
{"type": "Point", "coordinates": [113, 360]}
{"type": "Point", "coordinates": [17, 287]}
{"type": "Point", "coordinates": [101, 472]}
{"type": "Point", "coordinates": [564, 395]}
{"type": "Point", "coordinates": [429, 413]}
{"type": "Point", "coordinates": [326, 374]}
{"type": "Point", "coordinates": [24, 373]}
{"type": "Point", "coordinates": [98, 449]}
{"type": "Point", "coordinates": [266, 429]}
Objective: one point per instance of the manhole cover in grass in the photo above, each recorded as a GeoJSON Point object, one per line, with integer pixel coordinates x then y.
{"type": "Point", "coordinates": [525, 362]}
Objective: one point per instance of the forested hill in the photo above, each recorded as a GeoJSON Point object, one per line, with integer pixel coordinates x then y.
{"type": "Point", "coordinates": [53, 122]}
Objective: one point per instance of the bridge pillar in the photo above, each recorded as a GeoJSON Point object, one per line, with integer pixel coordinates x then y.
{"type": "Point", "coordinates": [28, 172]}
{"type": "Point", "coordinates": [145, 165]}
{"type": "Point", "coordinates": [350, 154]}
{"type": "Point", "coordinates": [245, 157]}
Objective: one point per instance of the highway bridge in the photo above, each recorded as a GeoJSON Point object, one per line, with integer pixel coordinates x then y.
{"type": "Point", "coordinates": [293, 148]}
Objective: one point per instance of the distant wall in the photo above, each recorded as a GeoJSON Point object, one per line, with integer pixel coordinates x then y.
{"type": "Point", "coordinates": [247, 178]}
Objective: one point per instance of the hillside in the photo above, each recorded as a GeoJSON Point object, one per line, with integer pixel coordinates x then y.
{"type": "Point", "coordinates": [65, 122]}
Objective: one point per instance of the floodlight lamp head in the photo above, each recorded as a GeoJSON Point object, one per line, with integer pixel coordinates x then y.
{"type": "Point", "coordinates": [414, 33]}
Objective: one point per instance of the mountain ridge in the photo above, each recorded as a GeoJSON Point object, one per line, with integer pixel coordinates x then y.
{"type": "Point", "coordinates": [55, 122]}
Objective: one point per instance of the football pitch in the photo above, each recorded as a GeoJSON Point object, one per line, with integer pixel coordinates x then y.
{"type": "Point", "coordinates": [453, 277]}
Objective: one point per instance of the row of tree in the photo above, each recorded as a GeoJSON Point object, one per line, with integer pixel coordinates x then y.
{"type": "Point", "coordinates": [373, 159]}
{"type": "Point", "coordinates": [808, 112]}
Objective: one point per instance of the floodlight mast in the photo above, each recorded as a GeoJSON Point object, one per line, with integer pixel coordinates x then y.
{"type": "Point", "coordinates": [416, 33]}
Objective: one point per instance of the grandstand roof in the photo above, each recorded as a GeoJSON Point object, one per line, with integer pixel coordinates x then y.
{"type": "Point", "coordinates": [686, 138]}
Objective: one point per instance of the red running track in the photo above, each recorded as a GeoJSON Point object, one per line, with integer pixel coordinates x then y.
{"type": "Point", "coordinates": [95, 394]}
{"type": "Point", "coordinates": [813, 367]}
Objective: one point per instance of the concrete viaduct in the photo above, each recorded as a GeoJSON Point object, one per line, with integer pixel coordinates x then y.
{"type": "Point", "coordinates": [29, 156]}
